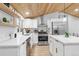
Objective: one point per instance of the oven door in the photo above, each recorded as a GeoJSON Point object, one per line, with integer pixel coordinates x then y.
{"type": "Point", "coordinates": [42, 38]}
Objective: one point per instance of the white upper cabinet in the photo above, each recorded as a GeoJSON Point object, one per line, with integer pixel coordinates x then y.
{"type": "Point", "coordinates": [34, 23]}
{"type": "Point", "coordinates": [30, 23]}
{"type": "Point", "coordinates": [27, 23]}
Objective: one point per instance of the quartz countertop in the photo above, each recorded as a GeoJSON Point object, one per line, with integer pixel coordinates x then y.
{"type": "Point", "coordinates": [14, 42]}
{"type": "Point", "coordinates": [64, 40]}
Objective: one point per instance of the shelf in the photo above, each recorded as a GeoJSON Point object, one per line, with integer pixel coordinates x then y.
{"type": "Point", "coordinates": [7, 24]}
{"type": "Point", "coordinates": [7, 10]}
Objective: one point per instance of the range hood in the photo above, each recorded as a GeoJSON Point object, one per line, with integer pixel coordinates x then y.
{"type": "Point", "coordinates": [42, 27]}
{"type": "Point", "coordinates": [42, 24]}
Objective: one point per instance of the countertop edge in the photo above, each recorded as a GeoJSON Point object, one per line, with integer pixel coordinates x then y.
{"type": "Point", "coordinates": [13, 45]}
{"type": "Point", "coordinates": [63, 42]}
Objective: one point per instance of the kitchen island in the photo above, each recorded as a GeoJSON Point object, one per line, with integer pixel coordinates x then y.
{"type": "Point", "coordinates": [59, 45]}
{"type": "Point", "coordinates": [14, 47]}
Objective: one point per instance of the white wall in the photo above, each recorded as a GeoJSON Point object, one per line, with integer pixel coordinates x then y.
{"type": "Point", "coordinates": [3, 14]}
{"type": "Point", "coordinates": [4, 30]}
{"type": "Point", "coordinates": [73, 24]}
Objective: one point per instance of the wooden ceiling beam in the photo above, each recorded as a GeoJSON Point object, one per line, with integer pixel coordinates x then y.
{"type": "Point", "coordinates": [43, 7]}
{"type": "Point", "coordinates": [48, 8]}
{"type": "Point", "coordinates": [40, 9]}
{"type": "Point", "coordinates": [71, 8]}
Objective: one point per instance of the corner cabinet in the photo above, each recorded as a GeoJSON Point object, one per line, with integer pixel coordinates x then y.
{"type": "Point", "coordinates": [57, 48]}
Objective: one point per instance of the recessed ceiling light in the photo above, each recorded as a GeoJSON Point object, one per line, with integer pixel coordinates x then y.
{"type": "Point", "coordinates": [27, 13]}
{"type": "Point", "coordinates": [77, 10]}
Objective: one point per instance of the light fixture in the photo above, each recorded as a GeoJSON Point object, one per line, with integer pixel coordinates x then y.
{"type": "Point", "coordinates": [64, 18]}
{"type": "Point", "coordinates": [27, 13]}
{"type": "Point", "coordinates": [76, 10]}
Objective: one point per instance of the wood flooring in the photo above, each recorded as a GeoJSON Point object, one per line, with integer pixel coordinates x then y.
{"type": "Point", "coordinates": [40, 51]}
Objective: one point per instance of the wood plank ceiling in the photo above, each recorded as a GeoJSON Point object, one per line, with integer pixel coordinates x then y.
{"type": "Point", "coordinates": [40, 9]}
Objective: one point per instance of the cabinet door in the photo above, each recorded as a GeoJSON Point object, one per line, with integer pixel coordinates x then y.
{"type": "Point", "coordinates": [51, 46]}
{"type": "Point", "coordinates": [9, 51]}
{"type": "Point", "coordinates": [35, 38]}
{"type": "Point", "coordinates": [58, 48]}
{"type": "Point", "coordinates": [23, 49]}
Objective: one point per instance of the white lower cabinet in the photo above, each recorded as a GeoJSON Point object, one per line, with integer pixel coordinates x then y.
{"type": "Point", "coordinates": [51, 50]}
{"type": "Point", "coordinates": [9, 51]}
{"type": "Point", "coordinates": [58, 49]}
{"type": "Point", "coordinates": [71, 50]}
{"type": "Point", "coordinates": [55, 47]}
{"type": "Point", "coordinates": [34, 39]}
{"type": "Point", "coordinates": [13, 50]}
{"type": "Point", "coordinates": [23, 49]}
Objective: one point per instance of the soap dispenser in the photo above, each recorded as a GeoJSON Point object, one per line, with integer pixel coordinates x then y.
{"type": "Point", "coordinates": [15, 35]}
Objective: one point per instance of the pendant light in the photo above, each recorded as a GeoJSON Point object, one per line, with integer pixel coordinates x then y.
{"type": "Point", "coordinates": [64, 17]}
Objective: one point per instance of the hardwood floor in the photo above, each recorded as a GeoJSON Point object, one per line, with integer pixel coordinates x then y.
{"type": "Point", "coordinates": [40, 51]}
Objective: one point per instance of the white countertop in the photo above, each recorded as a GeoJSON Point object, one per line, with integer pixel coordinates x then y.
{"type": "Point", "coordinates": [64, 40]}
{"type": "Point", "coordinates": [14, 42]}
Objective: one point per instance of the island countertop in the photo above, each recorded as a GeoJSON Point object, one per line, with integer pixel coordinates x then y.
{"type": "Point", "coordinates": [64, 40]}
{"type": "Point", "coordinates": [14, 42]}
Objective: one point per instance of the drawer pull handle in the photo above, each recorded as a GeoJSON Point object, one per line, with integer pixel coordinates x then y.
{"type": "Point", "coordinates": [56, 50]}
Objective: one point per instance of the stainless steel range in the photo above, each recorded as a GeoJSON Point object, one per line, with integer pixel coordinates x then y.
{"type": "Point", "coordinates": [42, 32]}
{"type": "Point", "coordinates": [42, 38]}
